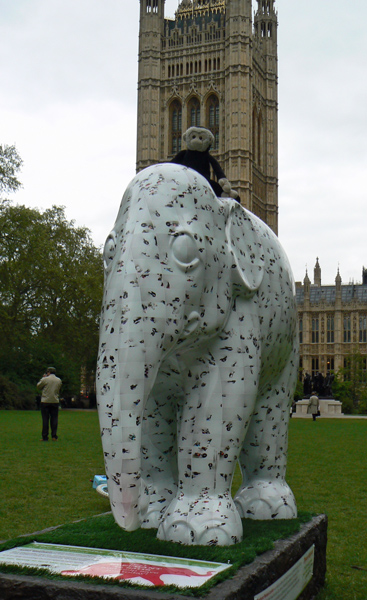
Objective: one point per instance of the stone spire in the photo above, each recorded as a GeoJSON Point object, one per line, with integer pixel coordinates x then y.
{"type": "Point", "coordinates": [338, 281]}
{"type": "Point", "coordinates": [307, 283]}
{"type": "Point", "coordinates": [317, 274]}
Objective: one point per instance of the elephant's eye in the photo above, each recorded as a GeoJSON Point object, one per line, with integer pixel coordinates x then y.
{"type": "Point", "coordinates": [184, 249]}
{"type": "Point", "coordinates": [109, 250]}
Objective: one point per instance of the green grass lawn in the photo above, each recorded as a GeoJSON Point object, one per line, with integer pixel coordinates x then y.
{"type": "Point", "coordinates": [47, 484]}
{"type": "Point", "coordinates": [327, 470]}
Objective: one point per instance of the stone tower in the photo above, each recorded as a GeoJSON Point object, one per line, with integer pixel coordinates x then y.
{"type": "Point", "coordinates": [213, 65]}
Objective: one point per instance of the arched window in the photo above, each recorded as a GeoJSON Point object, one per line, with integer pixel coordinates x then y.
{"type": "Point", "coordinates": [212, 118]}
{"type": "Point", "coordinates": [259, 139]}
{"type": "Point", "coordinates": [194, 112]}
{"type": "Point", "coordinates": [330, 331]}
{"type": "Point", "coordinates": [363, 328]}
{"type": "Point", "coordinates": [347, 329]}
{"type": "Point", "coordinates": [300, 330]}
{"type": "Point", "coordinates": [175, 126]}
{"type": "Point", "coordinates": [315, 331]}
{"type": "Point", "coordinates": [152, 6]}
{"type": "Point", "coordinates": [257, 136]}
{"type": "Point", "coordinates": [254, 133]}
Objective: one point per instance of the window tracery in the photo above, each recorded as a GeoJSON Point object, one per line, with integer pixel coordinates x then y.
{"type": "Point", "coordinates": [212, 118]}
{"type": "Point", "coordinates": [175, 126]}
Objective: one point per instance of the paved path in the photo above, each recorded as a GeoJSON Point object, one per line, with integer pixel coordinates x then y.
{"type": "Point", "coordinates": [295, 416]}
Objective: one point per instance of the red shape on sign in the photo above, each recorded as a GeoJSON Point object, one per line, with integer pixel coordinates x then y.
{"type": "Point", "coordinates": [126, 570]}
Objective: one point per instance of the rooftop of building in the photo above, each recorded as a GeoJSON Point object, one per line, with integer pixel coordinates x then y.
{"type": "Point", "coordinates": [317, 292]}
{"type": "Point", "coordinates": [327, 293]}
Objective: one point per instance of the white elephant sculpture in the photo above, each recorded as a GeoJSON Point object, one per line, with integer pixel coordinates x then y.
{"type": "Point", "coordinates": [197, 361]}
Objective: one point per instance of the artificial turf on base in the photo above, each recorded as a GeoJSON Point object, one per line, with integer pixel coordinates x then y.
{"type": "Point", "coordinates": [102, 532]}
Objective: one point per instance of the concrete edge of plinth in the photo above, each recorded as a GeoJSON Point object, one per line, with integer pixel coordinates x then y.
{"type": "Point", "coordinates": [249, 581]}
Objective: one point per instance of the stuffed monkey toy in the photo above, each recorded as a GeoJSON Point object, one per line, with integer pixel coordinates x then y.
{"type": "Point", "coordinates": [198, 141]}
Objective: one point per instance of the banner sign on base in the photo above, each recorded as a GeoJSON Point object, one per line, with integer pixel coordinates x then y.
{"type": "Point", "coordinates": [142, 569]}
{"type": "Point", "coordinates": [293, 582]}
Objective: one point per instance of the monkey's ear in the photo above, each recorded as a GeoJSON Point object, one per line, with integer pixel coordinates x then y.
{"type": "Point", "coordinates": [184, 137]}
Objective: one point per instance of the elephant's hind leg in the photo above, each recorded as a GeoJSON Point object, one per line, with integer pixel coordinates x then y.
{"type": "Point", "coordinates": [264, 493]}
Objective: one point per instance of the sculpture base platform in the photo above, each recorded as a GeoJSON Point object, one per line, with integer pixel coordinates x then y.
{"type": "Point", "coordinates": [252, 582]}
{"type": "Point", "coordinates": [328, 408]}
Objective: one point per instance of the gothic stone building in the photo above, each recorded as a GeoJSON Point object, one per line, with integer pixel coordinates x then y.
{"type": "Point", "coordinates": [213, 65]}
{"type": "Point", "coordinates": [332, 323]}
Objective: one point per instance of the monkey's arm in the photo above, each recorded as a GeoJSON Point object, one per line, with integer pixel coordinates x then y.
{"type": "Point", "coordinates": [179, 158]}
{"type": "Point", "coordinates": [219, 173]}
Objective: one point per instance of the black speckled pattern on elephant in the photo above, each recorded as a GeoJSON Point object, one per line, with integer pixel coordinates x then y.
{"type": "Point", "coordinates": [197, 361]}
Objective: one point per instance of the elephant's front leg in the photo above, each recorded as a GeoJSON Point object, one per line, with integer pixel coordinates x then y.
{"type": "Point", "coordinates": [264, 493]}
{"type": "Point", "coordinates": [159, 443]}
{"type": "Point", "coordinates": [221, 391]}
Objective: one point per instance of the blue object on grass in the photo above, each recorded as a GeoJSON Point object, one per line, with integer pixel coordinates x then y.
{"type": "Point", "coordinates": [98, 480]}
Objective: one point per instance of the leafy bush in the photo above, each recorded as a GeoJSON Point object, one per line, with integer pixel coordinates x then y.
{"type": "Point", "coordinates": [352, 393]}
{"type": "Point", "coordinates": [14, 398]}
{"type": "Point", "coordinates": [298, 394]}
{"type": "Point", "coordinates": [342, 391]}
{"type": "Point", "coordinates": [362, 404]}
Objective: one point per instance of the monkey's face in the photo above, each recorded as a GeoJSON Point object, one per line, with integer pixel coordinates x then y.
{"type": "Point", "coordinates": [198, 138]}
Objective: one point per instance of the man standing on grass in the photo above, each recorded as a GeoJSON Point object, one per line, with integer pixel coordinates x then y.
{"type": "Point", "coordinates": [50, 386]}
{"type": "Point", "coordinates": [314, 406]}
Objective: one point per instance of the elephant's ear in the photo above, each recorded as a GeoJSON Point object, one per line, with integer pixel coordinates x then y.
{"type": "Point", "coordinates": [244, 241]}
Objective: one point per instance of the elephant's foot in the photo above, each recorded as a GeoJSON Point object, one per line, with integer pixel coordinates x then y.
{"type": "Point", "coordinates": [207, 521]}
{"type": "Point", "coordinates": [154, 511]}
{"type": "Point", "coordinates": [265, 500]}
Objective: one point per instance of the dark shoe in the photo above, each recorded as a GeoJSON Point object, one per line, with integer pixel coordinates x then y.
{"type": "Point", "coordinates": [54, 439]}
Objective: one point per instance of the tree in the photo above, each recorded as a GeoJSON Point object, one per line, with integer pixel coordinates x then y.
{"type": "Point", "coordinates": [10, 164]}
{"type": "Point", "coordinates": [350, 385]}
{"type": "Point", "coordinates": [51, 279]}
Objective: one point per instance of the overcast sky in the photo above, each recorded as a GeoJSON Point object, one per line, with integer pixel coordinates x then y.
{"type": "Point", "coordinates": [68, 101]}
